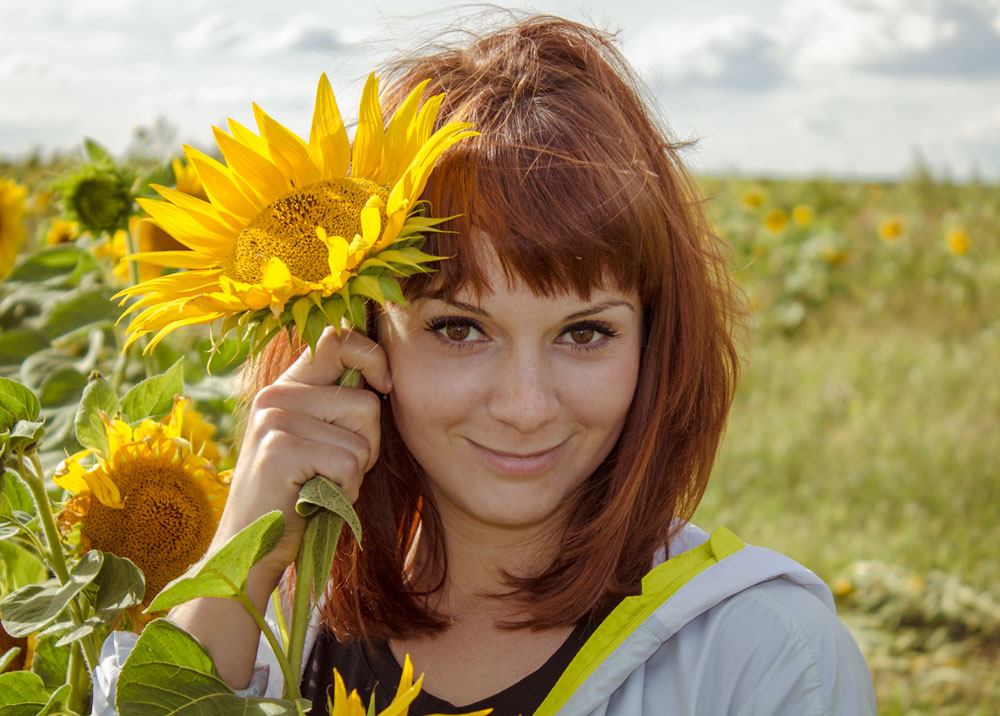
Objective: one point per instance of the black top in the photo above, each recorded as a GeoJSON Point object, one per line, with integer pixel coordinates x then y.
{"type": "Point", "coordinates": [368, 666]}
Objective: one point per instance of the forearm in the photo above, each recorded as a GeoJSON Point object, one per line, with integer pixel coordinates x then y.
{"type": "Point", "coordinates": [227, 629]}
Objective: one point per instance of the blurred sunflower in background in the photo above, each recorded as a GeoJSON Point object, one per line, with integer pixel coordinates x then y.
{"type": "Point", "coordinates": [286, 218]}
{"type": "Point", "coordinates": [11, 223]}
{"type": "Point", "coordinates": [151, 498]}
{"type": "Point", "coordinates": [890, 229]}
{"type": "Point", "coordinates": [776, 220]}
{"type": "Point", "coordinates": [62, 232]}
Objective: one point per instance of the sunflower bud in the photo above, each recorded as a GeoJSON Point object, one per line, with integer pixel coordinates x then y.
{"type": "Point", "coordinates": [99, 196]}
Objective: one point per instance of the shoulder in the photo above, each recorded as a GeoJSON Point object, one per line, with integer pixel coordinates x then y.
{"type": "Point", "coordinates": [772, 648]}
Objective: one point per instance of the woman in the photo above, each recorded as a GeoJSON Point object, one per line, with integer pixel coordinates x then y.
{"type": "Point", "coordinates": [555, 398]}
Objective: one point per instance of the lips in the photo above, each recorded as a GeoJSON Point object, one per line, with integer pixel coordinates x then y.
{"type": "Point", "coordinates": [517, 463]}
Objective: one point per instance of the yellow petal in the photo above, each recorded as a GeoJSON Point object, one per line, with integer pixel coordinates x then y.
{"type": "Point", "coordinates": [185, 227]}
{"type": "Point", "coordinates": [328, 136]}
{"type": "Point", "coordinates": [203, 211]}
{"type": "Point", "coordinates": [176, 259]}
{"type": "Point", "coordinates": [396, 152]}
{"type": "Point", "coordinates": [263, 177]}
{"type": "Point", "coordinates": [276, 274]}
{"type": "Point", "coordinates": [247, 137]}
{"type": "Point", "coordinates": [415, 178]}
{"type": "Point", "coordinates": [339, 695]}
{"type": "Point", "coordinates": [371, 223]}
{"type": "Point", "coordinates": [337, 251]}
{"type": "Point", "coordinates": [369, 136]}
{"type": "Point", "coordinates": [69, 474]}
{"type": "Point", "coordinates": [287, 150]}
{"type": "Point", "coordinates": [220, 185]}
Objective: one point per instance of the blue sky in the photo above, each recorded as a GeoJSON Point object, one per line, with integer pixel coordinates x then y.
{"type": "Point", "coordinates": [785, 87]}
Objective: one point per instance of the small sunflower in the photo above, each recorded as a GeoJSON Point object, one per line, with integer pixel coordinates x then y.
{"type": "Point", "coordinates": [890, 229]}
{"type": "Point", "coordinates": [62, 232]}
{"type": "Point", "coordinates": [958, 240]}
{"type": "Point", "coordinates": [802, 215]}
{"type": "Point", "coordinates": [98, 196]}
{"type": "Point", "coordinates": [776, 220]}
{"type": "Point", "coordinates": [753, 197]}
{"type": "Point", "coordinates": [406, 692]}
{"type": "Point", "coordinates": [315, 221]}
{"type": "Point", "coordinates": [11, 227]}
{"type": "Point", "coordinates": [151, 498]}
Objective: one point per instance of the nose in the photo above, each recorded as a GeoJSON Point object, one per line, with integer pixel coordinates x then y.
{"type": "Point", "coordinates": [523, 393]}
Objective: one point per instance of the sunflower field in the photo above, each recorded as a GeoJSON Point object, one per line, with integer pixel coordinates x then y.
{"type": "Point", "coordinates": [863, 441]}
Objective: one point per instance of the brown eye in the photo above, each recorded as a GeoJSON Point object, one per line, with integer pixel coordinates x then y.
{"type": "Point", "coordinates": [582, 335]}
{"type": "Point", "coordinates": [457, 331]}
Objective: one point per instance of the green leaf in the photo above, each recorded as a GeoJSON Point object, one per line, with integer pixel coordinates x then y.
{"type": "Point", "coordinates": [320, 493]}
{"type": "Point", "coordinates": [154, 397]}
{"type": "Point", "coordinates": [215, 575]}
{"type": "Point", "coordinates": [98, 395]}
{"type": "Point", "coordinates": [52, 262]}
{"type": "Point", "coordinates": [22, 693]}
{"type": "Point", "coordinates": [14, 494]}
{"type": "Point", "coordinates": [120, 585]}
{"type": "Point", "coordinates": [19, 343]}
{"type": "Point", "coordinates": [50, 662]}
{"type": "Point", "coordinates": [57, 703]}
{"type": "Point", "coordinates": [25, 435]}
{"type": "Point", "coordinates": [9, 656]}
{"type": "Point", "coordinates": [333, 309]}
{"type": "Point", "coordinates": [80, 308]}
{"type": "Point", "coordinates": [169, 673]}
{"type": "Point", "coordinates": [32, 608]}
{"type": "Point", "coordinates": [19, 567]}
{"type": "Point", "coordinates": [16, 403]}
{"type": "Point", "coordinates": [94, 152]}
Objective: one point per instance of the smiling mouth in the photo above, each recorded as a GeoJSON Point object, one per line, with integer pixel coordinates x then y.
{"type": "Point", "coordinates": [518, 463]}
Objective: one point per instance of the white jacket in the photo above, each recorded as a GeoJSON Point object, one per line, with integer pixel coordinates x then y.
{"type": "Point", "coordinates": [721, 629]}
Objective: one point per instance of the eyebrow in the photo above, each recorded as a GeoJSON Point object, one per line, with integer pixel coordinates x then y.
{"type": "Point", "coordinates": [588, 311]}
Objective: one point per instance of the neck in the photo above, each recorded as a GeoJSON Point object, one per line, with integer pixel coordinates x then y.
{"type": "Point", "coordinates": [479, 554]}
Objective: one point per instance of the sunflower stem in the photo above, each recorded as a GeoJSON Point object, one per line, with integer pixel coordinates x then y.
{"type": "Point", "coordinates": [304, 577]}
{"type": "Point", "coordinates": [75, 676]}
{"type": "Point", "coordinates": [300, 608]}
{"type": "Point", "coordinates": [279, 617]}
{"type": "Point", "coordinates": [54, 553]}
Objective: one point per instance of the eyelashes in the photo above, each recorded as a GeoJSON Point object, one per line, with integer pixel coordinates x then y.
{"type": "Point", "coordinates": [455, 333]}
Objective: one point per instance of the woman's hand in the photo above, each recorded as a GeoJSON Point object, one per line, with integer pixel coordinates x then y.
{"type": "Point", "coordinates": [302, 426]}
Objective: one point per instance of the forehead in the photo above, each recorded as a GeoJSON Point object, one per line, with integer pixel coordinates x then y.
{"type": "Point", "coordinates": [483, 267]}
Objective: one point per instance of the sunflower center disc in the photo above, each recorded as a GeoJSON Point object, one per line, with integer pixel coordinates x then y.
{"type": "Point", "coordinates": [165, 523]}
{"type": "Point", "coordinates": [287, 229]}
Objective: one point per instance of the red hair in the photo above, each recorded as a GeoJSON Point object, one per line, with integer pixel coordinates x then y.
{"type": "Point", "coordinates": [573, 185]}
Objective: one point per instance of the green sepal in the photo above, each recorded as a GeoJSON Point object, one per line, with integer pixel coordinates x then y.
{"type": "Point", "coordinates": [368, 286]}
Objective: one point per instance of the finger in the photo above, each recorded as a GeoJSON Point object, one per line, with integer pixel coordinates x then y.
{"type": "Point", "coordinates": [362, 441]}
{"type": "Point", "coordinates": [335, 353]}
{"type": "Point", "coordinates": [352, 408]}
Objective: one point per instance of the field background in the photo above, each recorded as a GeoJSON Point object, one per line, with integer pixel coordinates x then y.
{"type": "Point", "coordinates": [864, 438]}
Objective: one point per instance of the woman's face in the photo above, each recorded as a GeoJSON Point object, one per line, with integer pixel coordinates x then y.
{"type": "Point", "coordinates": [510, 403]}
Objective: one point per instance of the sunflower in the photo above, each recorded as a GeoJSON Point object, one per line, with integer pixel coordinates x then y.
{"type": "Point", "coordinates": [753, 197]}
{"type": "Point", "coordinates": [802, 215]}
{"type": "Point", "coordinates": [406, 692]}
{"type": "Point", "coordinates": [890, 229]}
{"type": "Point", "coordinates": [150, 499]}
{"type": "Point", "coordinates": [776, 220]}
{"type": "Point", "coordinates": [958, 240]}
{"type": "Point", "coordinates": [318, 221]}
{"type": "Point", "coordinates": [62, 232]}
{"type": "Point", "coordinates": [11, 227]}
